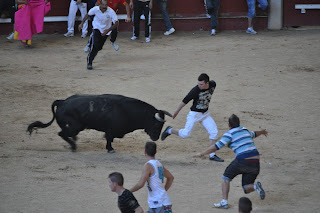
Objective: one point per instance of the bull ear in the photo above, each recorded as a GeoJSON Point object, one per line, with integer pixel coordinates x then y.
{"type": "Point", "coordinates": [166, 113]}
{"type": "Point", "coordinates": [157, 116]}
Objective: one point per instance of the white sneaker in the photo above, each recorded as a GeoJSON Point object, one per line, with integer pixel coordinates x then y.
{"type": "Point", "coordinates": [69, 34]}
{"type": "Point", "coordinates": [86, 49]}
{"type": "Point", "coordinates": [84, 35]}
{"type": "Point", "coordinates": [115, 46]}
{"type": "Point", "coordinates": [134, 38]}
{"type": "Point", "coordinates": [221, 205]}
{"type": "Point", "coordinates": [147, 39]}
{"type": "Point", "coordinates": [250, 30]}
{"type": "Point", "coordinates": [169, 31]}
{"type": "Point", "coordinates": [10, 37]}
{"type": "Point", "coordinates": [213, 32]}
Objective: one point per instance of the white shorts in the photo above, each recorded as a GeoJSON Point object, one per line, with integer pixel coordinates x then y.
{"type": "Point", "coordinates": [205, 119]}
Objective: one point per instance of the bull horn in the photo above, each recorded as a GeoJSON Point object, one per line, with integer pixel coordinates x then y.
{"type": "Point", "coordinates": [159, 118]}
{"type": "Point", "coordinates": [166, 113]}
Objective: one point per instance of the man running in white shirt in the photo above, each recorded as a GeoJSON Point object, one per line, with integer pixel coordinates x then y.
{"type": "Point", "coordinates": [104, 22]}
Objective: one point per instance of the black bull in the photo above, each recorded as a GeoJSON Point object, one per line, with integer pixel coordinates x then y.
{"type": "Point", "coordinates": [116, 115]}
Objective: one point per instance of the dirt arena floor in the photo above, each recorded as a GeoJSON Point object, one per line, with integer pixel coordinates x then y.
{"type": "Point", "coordinates": [270, 80]}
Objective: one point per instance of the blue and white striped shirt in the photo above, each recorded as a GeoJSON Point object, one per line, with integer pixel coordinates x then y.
{"type": "Point", "coordinates": [240, 140]}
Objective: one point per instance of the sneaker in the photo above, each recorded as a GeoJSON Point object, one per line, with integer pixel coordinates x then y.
{"type": "Point", "coordinates": [10, 37]}
{"type": "Point", "coordinates": [221, 205]}
{"type": "Point", "coordinates": [134, 38]}
{"type": "Point", "coordinates": [260, 190]}
{"type": "Point", "coordinates": [69, 34]}
{"type": "Point", "coordinates": [216, 158]}
{"type": "Point", "coordinates": [147, 39]}
{"type": "Point", "coordinates": [208, 15]}
{"type": "Point", "coordinates": [165, 133]}
{"type": "Point", "coordinates": [89, 66]}
{"type": "Point", "coordinates": [86, 49]}
{"type": "Point", "coordinates": [115, 46]}
{"type": "Point", "coordinates": [250, 30]}
{"type": "Point", "coordinates": [169, 31]}
{"type": "Point", "coordinates": [84, 35]}
{"type": "Point", "coordinates": [213, 32]}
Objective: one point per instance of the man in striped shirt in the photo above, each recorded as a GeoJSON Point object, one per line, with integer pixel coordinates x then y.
{"type": "Point", "coordinates": [240, 140]}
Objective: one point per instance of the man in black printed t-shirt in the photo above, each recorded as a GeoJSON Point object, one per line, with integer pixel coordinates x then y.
{"type": "Point", "coordinates": [127, 203]}
{"type": "Point", "coordinates": [201, 96]}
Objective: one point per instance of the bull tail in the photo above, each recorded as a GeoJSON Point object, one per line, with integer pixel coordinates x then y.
{"type": "Point", "coordinates": [39, 124]}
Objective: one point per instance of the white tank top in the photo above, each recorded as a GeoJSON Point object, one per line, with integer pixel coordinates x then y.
{"type": "Point", "coordinates": [157, 195]}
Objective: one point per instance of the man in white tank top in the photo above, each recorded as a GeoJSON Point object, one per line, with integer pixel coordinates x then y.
{"type": "Point", "coordinates": [154, 173]}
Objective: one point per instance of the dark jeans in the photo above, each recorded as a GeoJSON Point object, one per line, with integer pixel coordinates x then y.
{"type": "Point", "coordinates": [212, 7]}
{"type": "Point", "coordinates": [163, 7]}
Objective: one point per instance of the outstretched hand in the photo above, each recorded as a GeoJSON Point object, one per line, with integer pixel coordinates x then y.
{"type": "Point", "coordinates": [199, 155]}
{"type": "Point", "coordinates": [264, 132]}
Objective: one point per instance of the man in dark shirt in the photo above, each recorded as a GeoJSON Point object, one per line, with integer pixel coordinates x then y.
{"type": "Point", "coordinates": [201, 96]}
{"type": "Point", "coordinates": [127, 203]}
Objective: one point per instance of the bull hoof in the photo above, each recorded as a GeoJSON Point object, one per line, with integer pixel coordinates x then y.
{"type": "Point", "coordinates": [111, 151]}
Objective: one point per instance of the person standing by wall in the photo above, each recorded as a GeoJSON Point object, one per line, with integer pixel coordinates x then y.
{"type": "Point", "coordinates": [141, 7]}
{"type": "Point", "coordinates": [163, 7]}
{"type": "Point", "coordinates": [212, 7]}
{"type": "Point", "coordinates": [74, 6]}
{"type": "Point", "coordinates": [263, 4]}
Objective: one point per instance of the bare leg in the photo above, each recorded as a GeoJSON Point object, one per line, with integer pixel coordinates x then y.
{"type": "Point", "coordinates": [249, 188]}
{"type": "Point", "coordinates": [225, 189]}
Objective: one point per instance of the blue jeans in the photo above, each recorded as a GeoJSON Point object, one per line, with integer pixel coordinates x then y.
{"type": "Point", "coordinates": [163, 7]}
{"type": "Point", "coordinates": [212, 7]}
{"type": "Point", "coordinates": [252, 6]}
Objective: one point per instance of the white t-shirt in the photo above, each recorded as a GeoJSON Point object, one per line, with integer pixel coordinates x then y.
{"type": "Point", "coordinates": [102, 21]}
{"type": "Point", "coordinates": [157, 195]}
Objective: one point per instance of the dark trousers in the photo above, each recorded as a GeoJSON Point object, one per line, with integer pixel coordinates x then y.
{"type": "Point", "coordinates": [114, 34]}
{"type": "Point", "coordinates": [139, 9]}
{"type": "Point", "coordinates": [97, 42]}
{"type": "Point", "coordinates": [212, 7]}
{"type": "Point", "coordinates": [113, 38]}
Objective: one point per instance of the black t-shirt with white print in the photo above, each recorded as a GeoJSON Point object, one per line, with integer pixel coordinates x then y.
{"type": "Point", "coordinates": [201, 98]}
{"type": "Point", "coordinates": [127, 203]}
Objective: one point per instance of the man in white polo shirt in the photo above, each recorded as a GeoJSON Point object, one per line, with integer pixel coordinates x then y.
{"type": "Point", "coordinates": [104, 22]}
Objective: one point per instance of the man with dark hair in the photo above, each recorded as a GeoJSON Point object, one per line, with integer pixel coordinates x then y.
{"type": "Point", "coordinates": [127, 203]}
{"type": "Point", "coordinates": [153, 173]}
{"type": "Point", "coordinates": [201, 96]}
{"type": "Point", "coordinates": [245, 205]}
{"type": "Point", "coordinates": [247, 163]}
{"type": "Point", "coordinates": [104, 22]}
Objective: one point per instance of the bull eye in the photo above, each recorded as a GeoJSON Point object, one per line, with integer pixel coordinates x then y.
{"type": "Point", "coordinates": [67, 125]}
